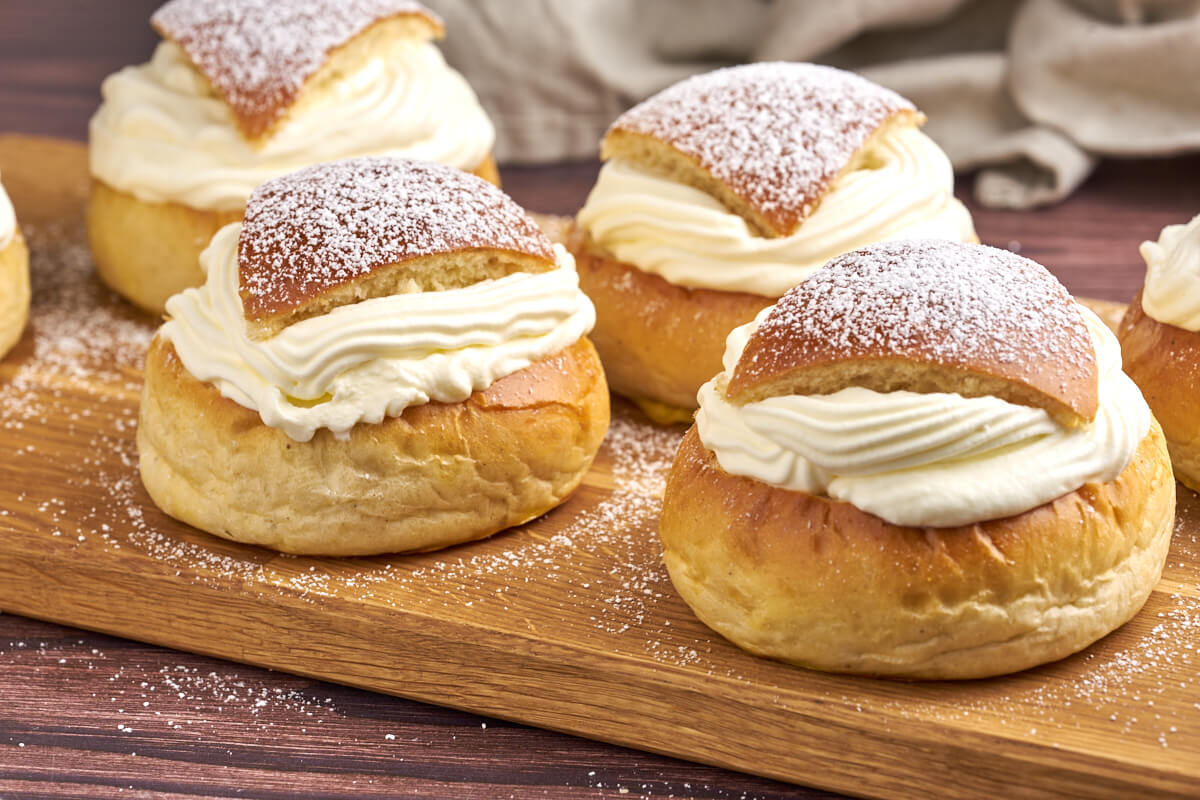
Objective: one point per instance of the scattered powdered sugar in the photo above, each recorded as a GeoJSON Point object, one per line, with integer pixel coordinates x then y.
{"type": "Point", "coordinates": [1140, 683]}
{"type": "Point", "coordinates": [322, 226]}
{"type": "Point", "coordinates": [936, 302]}
{"type": "Point", "coordinates": [259, 53]}
{"type": "Point", "coordinates": [606, 557]}
{"type": "Point", "coordinates": [80, 336]}
{"type": "Point", "coordinates": [594, 562]}
{"type": "Point", "coordinates": [775, 133]}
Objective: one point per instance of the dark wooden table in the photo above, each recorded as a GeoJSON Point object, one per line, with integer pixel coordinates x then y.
{"type": "Point", "coordinates": [83, 714]}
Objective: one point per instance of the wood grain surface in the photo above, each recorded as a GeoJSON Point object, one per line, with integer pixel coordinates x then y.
{"type": "Point", "coordinates": [568, 623]}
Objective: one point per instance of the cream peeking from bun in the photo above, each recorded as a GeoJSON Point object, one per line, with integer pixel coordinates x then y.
{"type": "Point", "coordinates": [243, 91]}
{"type": "Point", "coordinates": [1160, 341]}
{"type": "Point", "coordinates": [724, 191]}
{"type": "Point", "coordinates": [925, 462]}
{"type": "Point", "coordinates": [388, 355]}
{"type": "Point", "coordinates": [14, 277]}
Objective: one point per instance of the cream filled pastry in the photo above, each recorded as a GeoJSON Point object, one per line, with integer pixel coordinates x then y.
{"type": "Point", "coordinates": [1160, 340]}
{"type": "Point", "coordinates": [242, 91]}
{"type": "Point", "coordinates": [375, 358]}
{"type": "Point", "coordinates": [14, 276]}
{"type": "Point", "coordinates": [387, 355]}
{"type": "Point", "coordinates": [723, 192]}
{"type": "Point", "coordinates": [924, 461]}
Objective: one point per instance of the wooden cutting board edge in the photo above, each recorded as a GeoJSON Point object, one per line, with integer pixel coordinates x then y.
{"type": "Point", "coordinates": [824, 744]}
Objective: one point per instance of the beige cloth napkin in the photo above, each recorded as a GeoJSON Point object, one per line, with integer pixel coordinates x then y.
{"type": "Point", "coordinates": [1029, 92]}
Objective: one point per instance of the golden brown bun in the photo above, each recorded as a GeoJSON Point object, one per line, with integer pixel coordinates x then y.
{"type": "Point", "coordinates": [436, 475]}
{"type": "Point", "coordinates": [149, 251]}
{"type": "Point", "coordinates": [819, 583]}
{"type": "Point", "coordinates": [337, 233]}
{"type": "Point", "coordinates": [265, 57]}
{"type": "Point", "coordinates": [767, 140]}
{"type": "Point", "coordinates": [927, 316]}
{"type": "Point", "coordinates": [1164, 361]}
{"type": "Point", "coordinates": [659, 342]}
{"type": "Point", "coordinates": [14, 291]}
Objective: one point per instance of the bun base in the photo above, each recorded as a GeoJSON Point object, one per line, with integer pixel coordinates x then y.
{"type": "Point", "coordinates": [436, 475]}
{"type": "Point", "coordinates": [14, 292]}
{"type": "Point", "coordinates": [822, 584]}
{"type": "Point", "coordinates": [147, 252]}
{"type": "Point", "coordinates": [659, 342]}
{"type": "Point", "coordinates": [1164, 361]}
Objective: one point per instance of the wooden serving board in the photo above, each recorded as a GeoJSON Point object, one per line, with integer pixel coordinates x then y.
{"type": "Point", "coordinates": [569, 622]}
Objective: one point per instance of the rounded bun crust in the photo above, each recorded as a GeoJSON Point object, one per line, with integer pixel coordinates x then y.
{"type": "Point", "coordinates": [147, 252]}
{"type": "Point", "coordinates": [436, 475]}
{"type": "Point", "coordinates": [659, 342]}
{"type": "Point", "coordinates": [336, 232]}
{"type": "Point", "coordinates": [927, 316]}
{"type": "Point", "coordinates": [261, 55]}
{"type": "Point", "coordinates": [765, 139]}
{"type": "Point", "coordinates": [822, 584]}
{"type": "Point", "coordinates": [14, 292]}
{"type": "Point", "coordinates": [1164, 361]}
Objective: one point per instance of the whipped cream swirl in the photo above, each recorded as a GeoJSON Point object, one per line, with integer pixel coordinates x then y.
{"type": "Point", "coordinates": [903, 190]}
{"type": "Point", "coordinates": [1172, 291]}
{"type": "Point", "coordinates": [924, 459]}
{"type": "Point", "coordinates": [8, 219]}
{"type": "Point", "coordinates": [362, 362]}
{"type": "Point", "coordinates": [163, 135]}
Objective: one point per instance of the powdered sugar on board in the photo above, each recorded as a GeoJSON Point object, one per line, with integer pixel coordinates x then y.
{"type": "Point", "coordinates": [328, 224]}
{"type": "Point", "coordinates": [259, 53]}
{"type": "Point", "coordinates": [79, 335]}
{"type": "Point", "coordinates": [775, 133]}
{"type": "Point", "coordinates": [594, 563]}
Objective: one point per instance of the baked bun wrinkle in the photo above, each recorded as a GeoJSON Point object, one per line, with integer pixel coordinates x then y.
{"type": "Point", "coordinates": [261, 55]}
{"type": "Point", "coordinates": [1164, 361]}
{"type": "Point", "coordinates": [819, 583]}
{"type": "Point", "coordinates": [338, 233]}
{"type": "Point", "coordinates": [927, 316]}
{"type": "Point", "coordinates": [755, 136]}
{"type": "Point", "coordinates": [436, 475]}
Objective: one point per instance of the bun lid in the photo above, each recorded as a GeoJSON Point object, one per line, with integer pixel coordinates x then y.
{"type": "Point", "coordinates": [342, 232]}
{"type": "Point", "coordinates": [258, 54]}
{"type": "Point", "coordinates": [767, 140]}
{"type": "Point", "coordinates": [927, 316]}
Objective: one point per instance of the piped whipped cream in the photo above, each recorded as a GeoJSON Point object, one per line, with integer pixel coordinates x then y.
{"type": "Point", "coordinates": [1172, 291]}
{"type": "Point", "coordinates": [903, 190]}
{"type": "Point", "coordinates": [163, 135]}
{"type": "Point", "coordinates": [8, 219]}
{"type": "Point", "coordinates": [375, 358]}
{"type": "Point", "coordinates": [924, 459]}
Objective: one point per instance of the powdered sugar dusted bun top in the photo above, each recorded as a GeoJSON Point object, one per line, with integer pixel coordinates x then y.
{"type": "Point", "coordinates": [324, 235]}
{"type": "Point", "coordinates": [258, 54]}
{"type": "Point", "coordinates": [765, 139]}
{"type": "Point", "coordinates": [927, 316]}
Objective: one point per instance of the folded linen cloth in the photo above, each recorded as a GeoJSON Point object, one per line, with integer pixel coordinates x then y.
{"type": "Point", "coordinates": [1027, 92]}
